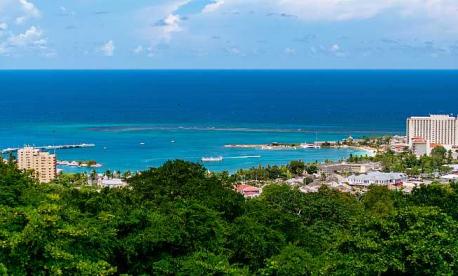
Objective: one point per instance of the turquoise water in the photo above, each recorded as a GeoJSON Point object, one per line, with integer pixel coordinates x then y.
{"type": "Point", "coordinates": [137, 147]}
{"type": "Point", "coordinates": [204, 110]}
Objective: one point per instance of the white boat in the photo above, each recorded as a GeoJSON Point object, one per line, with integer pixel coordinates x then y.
{"type": "Point", "coordinates": [309, 146]}
{"type": "Point", "coordinates": [212, 159]}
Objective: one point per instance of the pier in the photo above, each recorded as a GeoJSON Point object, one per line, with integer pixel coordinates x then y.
{"type": "Point", "coordinates": [54, 147]}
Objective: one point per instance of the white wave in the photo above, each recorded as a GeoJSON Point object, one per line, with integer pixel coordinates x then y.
{"type": "Point", "coordinates": [244, 157]}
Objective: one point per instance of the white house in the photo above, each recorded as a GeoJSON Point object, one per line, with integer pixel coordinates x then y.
{"type": "Point", "coordinates": [377, 178]}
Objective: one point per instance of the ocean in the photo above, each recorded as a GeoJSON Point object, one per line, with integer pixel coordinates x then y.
{"type": "Point", "coordinates": [140, 119]}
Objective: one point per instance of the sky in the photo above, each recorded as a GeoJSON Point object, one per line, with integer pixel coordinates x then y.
{"type": "Point", "coordinates": [229, 34]}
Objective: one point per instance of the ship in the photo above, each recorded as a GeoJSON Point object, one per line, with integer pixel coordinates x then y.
{"type": "Point", "coordinates": [212, 159]}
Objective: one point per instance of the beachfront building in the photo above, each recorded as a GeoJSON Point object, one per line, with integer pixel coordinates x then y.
{"type": "Point", "coordinates": [42, 164]}
{"type": "Point", "coordinates": [377, 178]}
{"type": "Point", "coordinates": [111, 182]}
{"type": "Point", "coordinates": [435, 129]}
{"type": "Point", "coordinates": [420, 146]}
{"type": "Point", "coordinates": [349, 167]}
{"type": "Point", "coordinates": [399, 144]}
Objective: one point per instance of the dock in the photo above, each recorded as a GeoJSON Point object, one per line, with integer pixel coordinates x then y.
{"type": "Point", "coordinates": [53, 147]}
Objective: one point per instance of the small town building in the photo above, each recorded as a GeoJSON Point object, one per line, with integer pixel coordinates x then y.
{"type": "Point", "coordinates": [377, 178]}
{"type": "Point", "coordinates": [453, 167]}
{"type": "Point", "coordinates": [420, 146]}
{"type": "Point", "coordinates": [111, 182]}
{"type": "Point", "coordinates": [450, 177]}
{"type": "Point", "coordinates": [247, 190]}
{"type": "Point", "coordinates": [344, 167]}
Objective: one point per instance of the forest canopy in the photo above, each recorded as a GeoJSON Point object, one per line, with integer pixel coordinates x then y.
{"type": "Point", "coordinates": [180, 220]}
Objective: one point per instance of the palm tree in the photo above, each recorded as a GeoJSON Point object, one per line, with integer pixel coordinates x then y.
{"type": "Point", "coordinates": [93, 176]}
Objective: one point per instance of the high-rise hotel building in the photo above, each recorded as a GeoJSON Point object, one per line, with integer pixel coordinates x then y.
{"type": "Point", "coordinates": [43, 164]}
{"type": "Point", "coordinates": [436, 129]}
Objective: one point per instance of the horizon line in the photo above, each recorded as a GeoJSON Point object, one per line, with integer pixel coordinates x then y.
{"type": "Point", "coordinates": [229, 69]}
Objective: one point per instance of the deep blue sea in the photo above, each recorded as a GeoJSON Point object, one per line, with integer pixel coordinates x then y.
{"type": "Point", "coordinates": [132, 116]}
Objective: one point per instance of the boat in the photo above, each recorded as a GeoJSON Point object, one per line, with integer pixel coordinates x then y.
{"type": "Point", "coordinates": [309, 146]}
{"type": "Point", "coordinates": [212, 159]}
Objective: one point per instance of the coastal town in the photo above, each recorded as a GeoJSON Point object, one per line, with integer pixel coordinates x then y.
{"type": "Point", "coordinates": [435, 135]}
{"type": "Point", "coordinates": [224, 137]}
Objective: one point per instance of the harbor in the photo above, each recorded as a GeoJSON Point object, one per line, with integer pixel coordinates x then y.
{"type": "Point", "coordinates": [52, 147]}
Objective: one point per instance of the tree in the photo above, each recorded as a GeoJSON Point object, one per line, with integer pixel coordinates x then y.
{"type": "Point", "coordinates": [311, 169]}
{"type": "Point", "coordinates": [251, 242]}
{"type": "Point", "coordinates": [296, 167]}
{"type": "Point", "coordinates": [424, 240]}
{"type": "Point", "coordinates": [178, 219]}
{"type": "Point", "coordinates": [379, 201]}
{"type": "Point", "coordinates": [206, 263]}
{"type": "Point", "coordinates": [13, 184]}
{"type": "Point", "coordinates": [292, 261]}
{"type": "Point", "coordinates": [438, 154]}
{"type": "Point", "coordinates": [308, 180]}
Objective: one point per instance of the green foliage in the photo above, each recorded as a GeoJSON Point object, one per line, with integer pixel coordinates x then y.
{"type": "Point", "coordinates": [13, 184]}
{"type": "Point", "coordinates": [296, 167]}
{"type": "Point", "coordinates": [291, 261]}
{"type": "Point", "coordinates": [205, 263]}
{"type": "Point", "coordinates": [308, 180]}
{"type": "Point", "coordinates": [263, 173]}
{"type": "Point", "coordinates": [180, 220]}
{"type": "Point", "coordinates": [311, 169]}
{"type": "Point", "coordinates": [407, 162]}
{"type": "Point", "coordinates": [379, 201]}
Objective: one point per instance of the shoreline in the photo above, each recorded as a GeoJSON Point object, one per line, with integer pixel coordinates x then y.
{"type": "Point", "coordinates": [370, 151]}
{"type": "Point", "coordinates": [124, 151]}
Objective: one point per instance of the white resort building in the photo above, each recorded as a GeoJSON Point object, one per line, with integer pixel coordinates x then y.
{"type": "Point", "coordinates": [435, 129]}
{"type": "Point", "coordinates": [377, 178]}
{"type": "Point", "coordinates": [42, 164]}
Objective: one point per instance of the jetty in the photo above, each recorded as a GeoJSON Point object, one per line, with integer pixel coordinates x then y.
{"type": "Point", "coordinates": [53, 147]}
{"type": "Point", "coordinates": [79, 164]}
{"type": "Point", "coordinates": [273, 146]}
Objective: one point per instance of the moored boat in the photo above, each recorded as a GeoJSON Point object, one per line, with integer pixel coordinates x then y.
{"type": "Point", "coordinates": [212, 159]}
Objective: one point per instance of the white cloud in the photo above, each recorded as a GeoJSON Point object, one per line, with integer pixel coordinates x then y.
{"type": "Point", "coordinates": [172, 20]}
{"type": "Point", "coordinates": [161, 21]}
{"type": "Point", "coordinates": [29, 8]}
{"type": "Point", "coordinates": [138, 50]}
{"type": "Point", "coordinates": [234, 51]}
{"type": "Point", "coordinates": [32, 36]}
{"type": "Point", "coordinates": [213, 6]}
{"type": "Point", "coordinates": [445, 11]}
{"type": "Point", "coordinates": [335, 48]}
{"type": "Point", "coordinates": [21, 19]}
{"type": "Point", "coordinates": [29, 41]}
{"type": "Point", "coordinates": [334, 10]}
{"type": "Point", "coordinates": [171, 24]}
{"type": "Point", "coordinates": [290, 51]}
{"type": "Point", "coordinates": [108, 48]}
{"type": "Point", "coordinates": [29, 11]}
{"type": "Point", "coordinates": [63, 11]}
{"type": "Point", "coordinates": [3, 26]}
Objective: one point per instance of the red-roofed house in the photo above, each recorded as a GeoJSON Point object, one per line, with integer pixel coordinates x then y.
{"type": "Point", "coordinates": [420, 146]}
{"type": "Point", "coordinates": [247, 190]}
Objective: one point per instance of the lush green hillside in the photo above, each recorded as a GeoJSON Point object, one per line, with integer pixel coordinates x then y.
{"type": "Point", "coordinates": [178, 220]}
